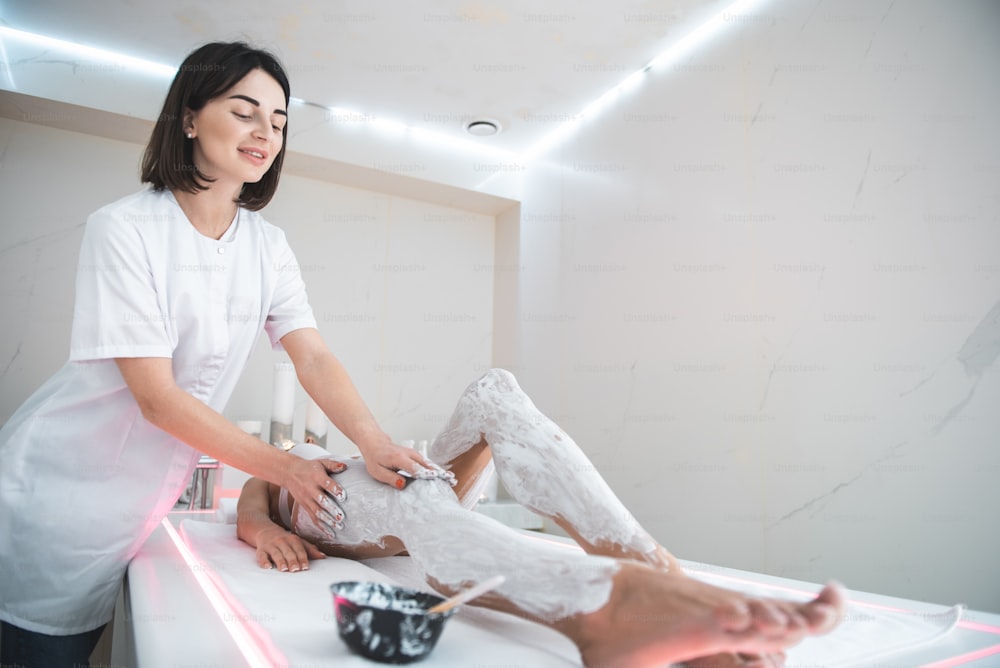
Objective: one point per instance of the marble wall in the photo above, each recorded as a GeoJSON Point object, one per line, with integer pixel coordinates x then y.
{"type": "Point", "coordinates": [762, 290]}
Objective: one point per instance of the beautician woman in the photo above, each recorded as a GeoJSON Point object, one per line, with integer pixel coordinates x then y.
{"type": "Point", "coordinates": [175, 284]}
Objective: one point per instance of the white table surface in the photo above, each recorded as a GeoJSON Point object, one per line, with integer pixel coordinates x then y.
{"type": "Point", "coordinates": [165, 619]}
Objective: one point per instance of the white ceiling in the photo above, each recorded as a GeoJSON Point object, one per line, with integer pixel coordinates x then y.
{"type": "Point", "coordinates": [435, 64]}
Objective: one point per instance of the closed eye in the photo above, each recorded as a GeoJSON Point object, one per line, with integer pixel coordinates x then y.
{"type": "Point", "coordinates": [249, 117]}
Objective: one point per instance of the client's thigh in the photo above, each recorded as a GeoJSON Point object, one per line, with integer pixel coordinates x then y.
{"type": "Point", "coordinates": [370, 510]}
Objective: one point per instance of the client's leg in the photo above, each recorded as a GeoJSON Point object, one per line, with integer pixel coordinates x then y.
{"type": "Point", "coordinates": [542, 468]}
{"type": "Point", "coordinates": [546, 471]}
{"type": "Point", "coordinates": [617, 612]}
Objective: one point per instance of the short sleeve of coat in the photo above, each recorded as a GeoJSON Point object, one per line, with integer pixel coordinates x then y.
{"type": "Point", "coordinates": [289, 308]}
{"type": "Point", "coordinates": [117, 312]}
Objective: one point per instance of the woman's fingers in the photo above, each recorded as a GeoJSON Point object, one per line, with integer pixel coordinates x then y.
{"type": "Point", "coordinates": [299, 560]}
{"type": "Point", "coordinates": [419, 459]}
{"type": "Point", "coordinates": [385, 474]}
{"type": "Point", "coordinates": [284, 560]}
{"type": "Point", "coordinates": [287, 553]}
{"type": "Point", "coordinates": [334, 489]}
{"type": "Point", "coordinates": [312, 551]}
{"type": "Point", "coordinates": [331, 495]}
{"type": "Point", "coordinates": [314, 489]}
{"type": "Point", "coordinates": [333, 466]}
{"type": "Point", "coordinates": [386, 461]}
{"type": "Point", "coordinates": [327, 503]}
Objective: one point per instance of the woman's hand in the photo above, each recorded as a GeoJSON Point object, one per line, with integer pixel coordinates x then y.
{"type": "Point", "coordinates": [309, 483]}
{"type": "Point", "coordinates": [384, 458]}
{"type": "Point", "coordinates": [284, 550]}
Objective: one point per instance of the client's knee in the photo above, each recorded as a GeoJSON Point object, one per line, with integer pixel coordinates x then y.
{"type": "Point", "coordinates": [499, 379]}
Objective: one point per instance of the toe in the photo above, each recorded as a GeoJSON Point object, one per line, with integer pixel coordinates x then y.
{"type": "Point", "coordinates": [768, 617]}
{"type": "Point", "coordinates": [796, 621]}
{"type": "Point", "coordinates": [734, 616]}
{"type": "Point", "coordinates": [834, 595]}
{"type": "Point", "coordinates": [819, 617]}
{"type": "Point", "coordinates": [824, 612]}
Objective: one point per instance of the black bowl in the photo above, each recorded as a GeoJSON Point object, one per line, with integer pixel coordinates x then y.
{"type": "Point", "coordinates": [385, 622]}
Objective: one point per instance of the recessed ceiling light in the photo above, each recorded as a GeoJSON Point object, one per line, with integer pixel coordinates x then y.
{"type": "Point", "coordinates": [483, 127]}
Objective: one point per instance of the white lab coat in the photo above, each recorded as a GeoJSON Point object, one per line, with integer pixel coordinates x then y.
{"type": "Point", "coordinates": [84, 478]}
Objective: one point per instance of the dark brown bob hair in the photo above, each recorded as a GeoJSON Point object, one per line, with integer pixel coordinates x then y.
{"type": "Point", "coordinates": [205, 74]}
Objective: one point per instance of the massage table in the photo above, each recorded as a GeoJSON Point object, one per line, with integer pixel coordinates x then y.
{"type": "Point", "coordinates": [194, 596]}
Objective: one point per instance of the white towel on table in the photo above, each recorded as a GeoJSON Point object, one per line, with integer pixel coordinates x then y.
{"type": "Point", "coordinates": [293, 612]}
{"type": "Point", "coordinates": [296, 611]}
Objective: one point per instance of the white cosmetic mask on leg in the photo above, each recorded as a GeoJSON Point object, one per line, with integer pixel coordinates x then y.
{"type": "Point", "coordinates": [538, 463]}
{"type": "Point", "coordinates": [457, 547]}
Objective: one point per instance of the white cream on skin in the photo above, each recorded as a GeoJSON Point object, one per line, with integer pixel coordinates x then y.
{"type": "Point", "coordinates": [457, 548]}
{"type": "Point", "coordinates": [539, 464]}
{"type": "Point", "coordinates": [542, 468]}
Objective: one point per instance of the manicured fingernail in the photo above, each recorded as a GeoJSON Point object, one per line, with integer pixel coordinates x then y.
{"type": "Point", "coordinates": [295, 569]}
{"type": "Point", "coordinates": [340, 494]}
{"type": "Point", "coordinates": [400, 483]}
{"type": "Point", "coordinates": [283, 569]}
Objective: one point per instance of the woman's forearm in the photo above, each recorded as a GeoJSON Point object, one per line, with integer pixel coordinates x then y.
{"type": "Point", "coordinates": [253, 511]}
{"type": "Point", "coordinates": [167, 406]}
{"type": "Point", "coordinates": [191, 421]}
{"type": "Point", "coordinates": [326, 380]}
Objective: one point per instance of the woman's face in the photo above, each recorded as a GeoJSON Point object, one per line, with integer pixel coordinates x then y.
{"type": "Point", "coordinates": [238, 134]}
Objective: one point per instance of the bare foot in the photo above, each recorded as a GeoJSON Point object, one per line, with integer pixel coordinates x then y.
{"type": "Point", "coordinates": [653, 618]}
{"type": "Point", "coordinates": [727, 660]}
{"type": "Point", "coordinates": [663, 560]}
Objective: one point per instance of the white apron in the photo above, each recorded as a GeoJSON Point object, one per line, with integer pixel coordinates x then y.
{"type": "Point", "coordinates": [84, 478]}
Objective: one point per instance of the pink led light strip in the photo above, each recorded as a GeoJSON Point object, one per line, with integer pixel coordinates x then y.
{"type": "Point", "coordinates": [252, 641]}
{"type": "Point", "coordinates": [965, 658]}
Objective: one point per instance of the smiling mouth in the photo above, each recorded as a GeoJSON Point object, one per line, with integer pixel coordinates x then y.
{"type": "Point", "coordinates": [255, 154]}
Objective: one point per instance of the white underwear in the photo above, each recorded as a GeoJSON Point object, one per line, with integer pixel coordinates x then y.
{"type": "Point", "coordinates": [283, 508]}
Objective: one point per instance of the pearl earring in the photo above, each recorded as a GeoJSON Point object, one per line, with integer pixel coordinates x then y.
{"type": "Point", "coordinates": [190, 135]}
